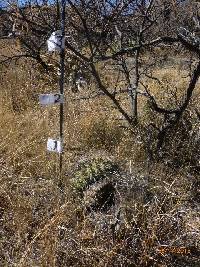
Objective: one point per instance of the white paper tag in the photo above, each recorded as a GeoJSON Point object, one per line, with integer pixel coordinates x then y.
{"type": "Point", "coordinates": [54, 145]}
{"type": "Point", "coordinates": [56, 42]}
{"type": "Point", "coordinates": [49, 99]}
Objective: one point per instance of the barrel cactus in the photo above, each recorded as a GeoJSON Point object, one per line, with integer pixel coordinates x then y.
{"type": "Point", "coordinates": [92, 171]}
{"type": "Point", "coordinates": [94, 181]}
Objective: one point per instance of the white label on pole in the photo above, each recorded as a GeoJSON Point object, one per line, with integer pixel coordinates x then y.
{"type": "Point", "coordinates": [56, 41]}
{"type": "Point", "coordinates": [49, 99]}
{"type": "Point", "coordinates": [54, 145]}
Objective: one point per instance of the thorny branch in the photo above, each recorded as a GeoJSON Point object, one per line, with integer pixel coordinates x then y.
{"type": "Point", "coordinates": [96, 31]}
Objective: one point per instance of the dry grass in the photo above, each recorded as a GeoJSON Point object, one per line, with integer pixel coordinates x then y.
{"type": "Point", "coordinates": [42, 226]}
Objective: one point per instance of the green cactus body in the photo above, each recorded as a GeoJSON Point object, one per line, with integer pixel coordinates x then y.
{"type": "Point", "coordinates": [95, 170]}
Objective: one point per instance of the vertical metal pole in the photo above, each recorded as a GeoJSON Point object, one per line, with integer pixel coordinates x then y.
{"type": "Point", "coordinates": [61, 84]}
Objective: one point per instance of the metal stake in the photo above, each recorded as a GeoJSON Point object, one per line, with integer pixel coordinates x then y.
{"type": "Point", "coordinates": [61, 84]}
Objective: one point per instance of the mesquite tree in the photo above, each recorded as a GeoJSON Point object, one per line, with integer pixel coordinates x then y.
{"type": "Point", "coordinates": [121, 34]}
